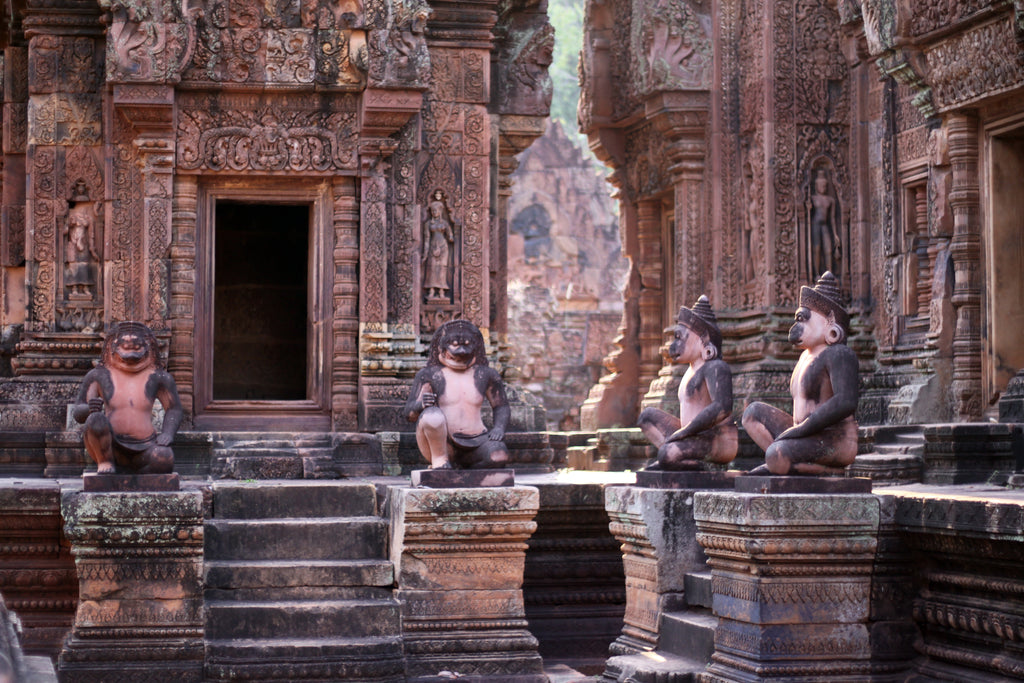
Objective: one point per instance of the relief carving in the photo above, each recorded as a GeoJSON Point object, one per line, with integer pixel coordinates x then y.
{"type": "Point", "coordinates": [438, 239]}
{"type": "Point", "coordinates": [80, 256]}
{"type": "Point", "coordinates": [674, 47]}
{"type": "Point", "coordinates": [246, 41]}
{"type": "Point", "coordinates": [526, 86]}
{"type": "Point", "coordinates": [62, 119]}
{"type": "Point", "coordinates": [149, 40]}
{"type": "Point", "coordinates": [956, 83]}
{"type": "Point", "coordinates": [266, 134]}
{"type": "Point", "coordinates": [823, 216]}
{"type": "Point", "coordinates": [397, 51]}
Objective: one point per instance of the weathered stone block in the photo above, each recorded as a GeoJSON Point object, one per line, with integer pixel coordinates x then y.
{"type": "Point", "coordinates": [969, 452]}
{"type": "Point", "coordinates": [791, 579]}
{"type": "Point", "coordinates": [658, 536]}
{"type": "Point", "coordinates": [459, 556]}
{"type": "Point", "coordinates": [37, 572]}
{"type": "Point", "coordinates": [450, 479]}
{"type": "Point", "coordinates": [139, 559]}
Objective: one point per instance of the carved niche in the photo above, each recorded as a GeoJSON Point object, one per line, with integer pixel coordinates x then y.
{"type": "Point", "coordinates": [80, 307]}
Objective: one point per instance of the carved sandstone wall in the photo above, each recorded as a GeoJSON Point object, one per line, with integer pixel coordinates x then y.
{"type": "Point", "coordinates": [756, 144]}
{"type": "Point", "coordinates": [127, 122]}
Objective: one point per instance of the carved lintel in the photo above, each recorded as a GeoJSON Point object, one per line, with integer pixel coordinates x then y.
{"type": "Point", "coordinates": [384, 112]}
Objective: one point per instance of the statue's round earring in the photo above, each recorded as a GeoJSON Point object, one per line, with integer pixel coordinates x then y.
{"type": "Point", "coordinates": [709, 352]}
{"type": "Point", "coordinates": [833, 334]}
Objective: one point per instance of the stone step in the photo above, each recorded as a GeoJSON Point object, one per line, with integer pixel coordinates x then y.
{"type": "Point", "coordinates": [293, 498]}
{"type": "Point", "coordinates": [354, 538]}
{"type": "Point", "coordinates": [230, 620]}
{"type": "Point", "coordinates": [652, 667]}
{"type": "Point", "coordinates": [238, 574]}
{"type": "Point", "coordinates": [307, 659]}
{"type": "Point", "coordinates": [689, 634]}
{"type": "Point", "coordinates": [697, 589]}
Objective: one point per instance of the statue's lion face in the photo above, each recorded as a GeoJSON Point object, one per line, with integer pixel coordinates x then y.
{"type": "Point", "coordinates": [131, 348]}
{"type": "Point", "coordinates": [460, 345]}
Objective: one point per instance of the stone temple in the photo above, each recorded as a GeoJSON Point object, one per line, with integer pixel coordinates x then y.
{"type": "Point", "coordinates": [295, 194]}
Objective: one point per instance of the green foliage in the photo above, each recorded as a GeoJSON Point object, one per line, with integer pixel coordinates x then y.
{"type": "Point", "coordinates": [567, 18]}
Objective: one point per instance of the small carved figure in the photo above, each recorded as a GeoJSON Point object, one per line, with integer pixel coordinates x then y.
{"type": "Point", "coordinates": [446, 400]}
{"type": "Point", "coordinates": [824, 236]}
{"type": "Point", "coordinates": [115, 402]}
{"type": "Point", "coordinates": [436, 255]}
{"type": "Point", "coordinates": [79, 256]}
{"type": "Point", "coordinates": [821, 435]}
{"type": "Point", "coordinates": [705, 431]}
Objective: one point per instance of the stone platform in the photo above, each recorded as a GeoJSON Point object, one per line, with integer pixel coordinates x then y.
{"type": "Point", "coordinates": [456, 479]}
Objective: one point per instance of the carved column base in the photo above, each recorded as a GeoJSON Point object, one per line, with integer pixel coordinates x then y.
{"type": "Point", "coordinates": [140, 563]}
{"type": "Point", "coordinates": [459, 556]}
{"type": "Point", "coordinates": [659, 548]}
{"type": "Point", "coordinates": [791, 576]}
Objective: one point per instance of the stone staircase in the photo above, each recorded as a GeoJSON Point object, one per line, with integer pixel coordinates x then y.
{"type": "Point", "coordinates": [896, 456]}
{"type": "Point", "coordinates": [686, 641]}
{"type": "Point", "coordinates": [286, 455]}
{"type": "Point", "coordinates": [298, 586]}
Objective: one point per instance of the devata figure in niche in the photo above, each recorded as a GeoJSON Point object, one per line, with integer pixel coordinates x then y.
{"type": "Point", "coordinates": [80, 257]}
{"type": "Point", "coordinates": [116, 401]}
{"type": "Point", "coordinates": [821, 436]}
{"type": "Point", "coordinates": [437, 249]}
{"type": "Point", "coordinates": [705, 431]}
{"type": "Point", "coordinates": [823, 230]}
{"type": "Point", "coordinates": [446, 400]}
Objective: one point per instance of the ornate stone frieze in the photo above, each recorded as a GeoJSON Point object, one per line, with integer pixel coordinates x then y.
{"type": "Point", "coordinates": [955, 84]}
{"type": "Point", "coordinates": [930, 15]}
{"type": "Point", "coordinates": [266, 133]}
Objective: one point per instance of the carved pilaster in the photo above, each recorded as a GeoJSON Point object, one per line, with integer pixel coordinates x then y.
{"type": "Point", "coordinates": [652, 277]}
{"type": "Point", "coordinates": [965, 249]}
{"type": "Point", "coordinates": [150, 110]}
{"type": "Point", "coordinates": [345, 324]}
{"type": "Point", "coordinates": [181, 356]}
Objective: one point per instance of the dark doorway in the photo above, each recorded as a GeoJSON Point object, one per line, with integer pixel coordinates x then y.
{"type": "Point", "coordinates": [260, 301]}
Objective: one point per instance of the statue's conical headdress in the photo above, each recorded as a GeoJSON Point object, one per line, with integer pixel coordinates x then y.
{"type": "Point", "coordinates": [825, 298]}
{"type": "Point", "coordinates": [701, 319]}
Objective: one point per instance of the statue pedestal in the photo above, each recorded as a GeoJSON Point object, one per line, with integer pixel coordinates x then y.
{"type": "Point", "coordinates": [459, 556]}
{"type": "Point", "coordinates": [791, 576]}
{"type": "Point", "coordinates": [659, 549]}
{"type": "Point", "coordinates": [139, 558]}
